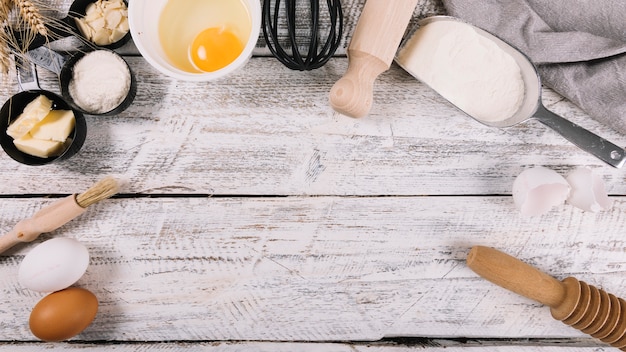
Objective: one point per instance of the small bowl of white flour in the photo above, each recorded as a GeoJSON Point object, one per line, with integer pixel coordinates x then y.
{"type": "Point", "coordinates": [98, 82]}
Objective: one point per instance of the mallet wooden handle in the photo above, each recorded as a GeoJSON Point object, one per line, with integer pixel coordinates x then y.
{"type": "Point", "coordinates": [517, 276]}
{"type": "Point", "coordinates": [45, 220]}
{"type": "Point", "coordinates": [374, 42]}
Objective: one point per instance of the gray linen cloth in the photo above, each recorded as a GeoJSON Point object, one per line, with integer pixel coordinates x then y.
{"type": "Point", "coordinates": [578, 46]}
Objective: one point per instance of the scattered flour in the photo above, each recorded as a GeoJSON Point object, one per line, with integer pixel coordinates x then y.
{"type": "Point", "coordinates": [100, 82]}
{"type": "Point", "coordinates": [467, 69]}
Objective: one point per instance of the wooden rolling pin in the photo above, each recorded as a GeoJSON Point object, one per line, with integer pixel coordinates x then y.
{"type": "Point", "coordinates": [584, 307]}
{"type": "Point", "coordinates": [374, 43]}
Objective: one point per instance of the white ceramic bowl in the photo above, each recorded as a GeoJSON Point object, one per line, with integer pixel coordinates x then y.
{"type": "Point", "coordinates": [143, 19]}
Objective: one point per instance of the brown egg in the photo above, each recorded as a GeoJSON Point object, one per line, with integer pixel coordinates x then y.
{"type": "Point", "coordinates": [63, 314]}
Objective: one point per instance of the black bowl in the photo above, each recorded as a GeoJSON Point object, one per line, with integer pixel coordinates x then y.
{"type": "Point", "coordinates": [67, 28]}
{"type": "Point", "coordinates": [67, 72]}
{"type": "Point", "coordinates": [13, 107]}
{"type": "Point", "coordinates": [78, 9]}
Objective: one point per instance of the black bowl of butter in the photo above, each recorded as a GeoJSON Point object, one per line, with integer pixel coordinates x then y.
{"type": "Point", "coordinates": [39, 127]}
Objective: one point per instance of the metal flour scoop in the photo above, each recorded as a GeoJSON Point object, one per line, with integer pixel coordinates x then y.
{"type": "Point", "coordinates": [531, 106]}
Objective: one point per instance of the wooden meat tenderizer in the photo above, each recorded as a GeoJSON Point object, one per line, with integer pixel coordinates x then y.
{"type": "Point", "coordinates": [374, 43]}
{"type": "Point", "coordinates": [584, 307]}
{"type": "Point", "coordinates": [58, 213]}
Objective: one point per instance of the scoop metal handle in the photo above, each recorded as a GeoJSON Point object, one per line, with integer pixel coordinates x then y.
{"type": "Point", "coordinates": [25, 65]}
{"type": "Point", "coordinates": [582, 138]}
{"type": "Point", "coordinates": [47, 58]}
{"type": "Point", "coordinates": [26, 74]}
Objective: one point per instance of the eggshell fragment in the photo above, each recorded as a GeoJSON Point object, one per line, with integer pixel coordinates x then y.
{"type": "Point", "coordinates": [63, 314]}
{"type": "Point", "coordinates": [588, 192]}
{"type": "Point", "coordinates": [53, 265]}
{"type": "Point", "coordinates": [537, 190]}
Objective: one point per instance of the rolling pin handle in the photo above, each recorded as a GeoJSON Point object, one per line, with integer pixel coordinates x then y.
{"type": "Point", "coordinates": [517, 276]}
{"type": "Point", "coordinates": [353, 94]}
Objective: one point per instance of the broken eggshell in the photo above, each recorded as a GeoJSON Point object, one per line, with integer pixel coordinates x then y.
{"type": "Point", "coordinates": [538, 189]}
{"type": "Point", "coordinates": [587, 191]}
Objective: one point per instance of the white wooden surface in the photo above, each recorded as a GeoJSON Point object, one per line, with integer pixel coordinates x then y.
{"type": "Point", "coordinates": [254, 218]}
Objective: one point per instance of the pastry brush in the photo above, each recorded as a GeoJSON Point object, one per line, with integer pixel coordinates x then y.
{"type": "Point", "coordinates": [58, 213]}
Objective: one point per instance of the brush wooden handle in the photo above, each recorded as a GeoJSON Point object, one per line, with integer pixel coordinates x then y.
{"type": "Point", "coordinates": [517, 276]}
{"type": "Point", "coordinates": [45, 220]}
{"type": "Point", "coordinates": [373, 45]}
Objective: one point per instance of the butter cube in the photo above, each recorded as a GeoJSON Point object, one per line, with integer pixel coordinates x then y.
{"type": "Point", "coordinates": [38, 147]}
{"type": "Point", "coordinates": [56, 126]}
{"type": "Point", "coordinates": [32, 114]}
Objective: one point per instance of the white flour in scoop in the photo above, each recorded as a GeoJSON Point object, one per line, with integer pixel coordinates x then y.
{"type": "Point", "coordinates": [467, 69]}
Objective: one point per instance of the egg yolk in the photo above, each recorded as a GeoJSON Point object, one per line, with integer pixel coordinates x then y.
{"type": "Point", "coordinates": [214, 48]}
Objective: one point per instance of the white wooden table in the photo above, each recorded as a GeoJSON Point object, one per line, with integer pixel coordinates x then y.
{"type": "Point", "coordinates": [255, 218]}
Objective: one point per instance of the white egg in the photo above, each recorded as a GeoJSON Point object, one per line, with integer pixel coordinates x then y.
{"type": "Point", "coordinates": [53, 265]}
{"type": "Point", "coordinates": [588, 192]}
{"type": "Point", "coordinates": [539, 189]}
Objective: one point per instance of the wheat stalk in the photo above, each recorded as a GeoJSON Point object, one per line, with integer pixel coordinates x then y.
{"type": "Point", "coordinates": [21, 21]}
{"type": "Point", "coordinates": [31, 15]}
{"type": "Point", "coordinates": [5, 54]}
{"type": "Point", "coordinates": [5, 62]}
{"type": "Point", "coordinates": [5, 9]}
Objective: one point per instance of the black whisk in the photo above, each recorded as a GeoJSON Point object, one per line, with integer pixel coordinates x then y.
{"type": "Point", "coordinates": [284, 43]}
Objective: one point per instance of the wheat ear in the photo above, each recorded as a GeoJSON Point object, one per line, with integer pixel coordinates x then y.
{"type": "Point", "coordinates": [5, 62]}
{"type": "Point", "coordinates": [31, 15]}
{"type": "Point", "coordinates": [5, 9]}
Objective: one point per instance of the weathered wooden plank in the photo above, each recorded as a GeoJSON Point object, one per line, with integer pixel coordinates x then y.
{"type": "Point", "coordinates": [429, 345]}
{"type": "Point", "coordinates": [315, 268]}
{"type": "Point", "coordinates": [270, 130]}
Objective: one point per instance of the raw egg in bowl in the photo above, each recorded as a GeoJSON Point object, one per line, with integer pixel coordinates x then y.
{"type": "Point", "coordinates": [195, 40]}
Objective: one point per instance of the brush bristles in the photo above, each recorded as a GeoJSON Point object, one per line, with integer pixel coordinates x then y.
{"type": "Point", "coordinates": [103, 189]}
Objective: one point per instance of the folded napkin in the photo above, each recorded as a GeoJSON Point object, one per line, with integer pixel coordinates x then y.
{"type": "Point", "coordinates": [578, 46]}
